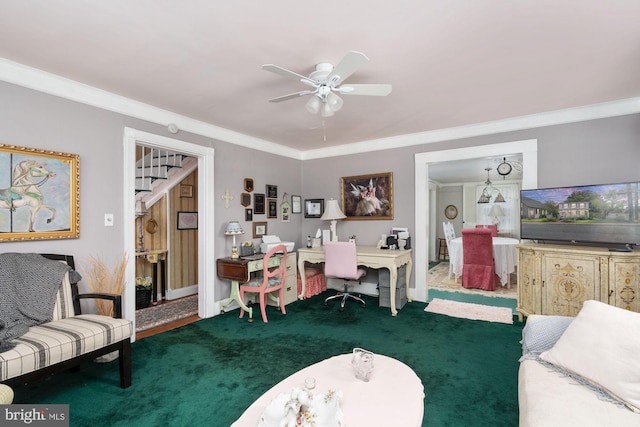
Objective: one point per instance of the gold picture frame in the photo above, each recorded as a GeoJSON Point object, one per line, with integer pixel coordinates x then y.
{"type": "Point", "coordinates": [366, 197]}
{"type": "Point", "coordinates": [186, 190]}
{"type": "Point", "coordinates": [259, 229]}
{"type": "Point", "coordinates": [40, 198]}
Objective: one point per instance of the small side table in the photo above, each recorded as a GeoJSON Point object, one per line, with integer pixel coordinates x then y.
{"type": "Point", "coordinates": [157, 257]}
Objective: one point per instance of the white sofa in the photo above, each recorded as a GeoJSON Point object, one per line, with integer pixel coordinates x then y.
{"type": "Point", "coordinates": [69, 339]}
{"type": "Point", "coordinates": [573, 373]}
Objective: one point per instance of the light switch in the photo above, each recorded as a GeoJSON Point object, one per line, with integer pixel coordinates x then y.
{"type": "Point", "coordinates": [108, 220]}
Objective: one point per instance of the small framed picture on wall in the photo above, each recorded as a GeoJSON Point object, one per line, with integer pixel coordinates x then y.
{"type": "Point", "coordinates": [273, 208]}
{"type": "Point", "coordinates": [248, 214]}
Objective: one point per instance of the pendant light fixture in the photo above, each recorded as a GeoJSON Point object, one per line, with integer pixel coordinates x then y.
{"type": "Point", "coordinates": [489, 189]}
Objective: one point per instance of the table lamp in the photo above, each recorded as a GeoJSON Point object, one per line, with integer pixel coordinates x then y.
{"type": "Point", "coordinates": [141, 211]}
{"type": "Point", "coordinates": [234, 229]}
{"type": "Point", "coordinates": [495, 212]}
{"type": "Point", "coordinates": [333, 213]}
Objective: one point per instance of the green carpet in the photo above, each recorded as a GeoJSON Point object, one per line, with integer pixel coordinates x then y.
{"type": "Point", "coordinates": [208, 372]}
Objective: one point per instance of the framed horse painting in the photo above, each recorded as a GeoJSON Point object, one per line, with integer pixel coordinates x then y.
{"type": "Point", "coordinates": [39, 194]}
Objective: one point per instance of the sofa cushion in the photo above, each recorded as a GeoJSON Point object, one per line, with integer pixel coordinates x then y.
{"type": "Point", "coordinates": [602, 345]}
{"type": "Point", "coordinates": [541, 332]}
{"type": "Point", "coordinates": [63, 306]}
{"type": "Point", "coordinates": [54, 342]}
{"type": "Point", "coordinates": [548, 399]}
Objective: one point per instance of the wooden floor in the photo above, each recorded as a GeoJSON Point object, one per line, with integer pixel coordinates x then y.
{"type": "Point", "coordinates": [166, 327]}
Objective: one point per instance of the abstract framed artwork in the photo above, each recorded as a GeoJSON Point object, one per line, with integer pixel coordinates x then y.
{"type": "Point", "coordinates": [40, 194]}
{"type": "Point", "coordinates": [366, 197]}
{"type": "Point", "coordinates": [187, 220]}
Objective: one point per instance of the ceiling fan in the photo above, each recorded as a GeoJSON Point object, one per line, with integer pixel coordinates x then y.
{"type": "Point", "coordinates": [326, 81]}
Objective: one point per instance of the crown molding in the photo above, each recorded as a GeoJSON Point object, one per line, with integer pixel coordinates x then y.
{"type": "Point", "coordinates": [570, 115]}
{"type": "Point", "coordinates": [32, 78]}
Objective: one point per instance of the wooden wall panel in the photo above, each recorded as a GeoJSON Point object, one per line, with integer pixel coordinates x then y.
{"type": "Point", "coordinates": [183, 244]}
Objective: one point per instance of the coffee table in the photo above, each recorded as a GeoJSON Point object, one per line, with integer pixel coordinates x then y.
{"type": "Point", "coordinates": [394, 396]}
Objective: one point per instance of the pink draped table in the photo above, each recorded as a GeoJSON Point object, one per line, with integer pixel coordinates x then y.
{"type": "Point", "coordinates": [394, 396]}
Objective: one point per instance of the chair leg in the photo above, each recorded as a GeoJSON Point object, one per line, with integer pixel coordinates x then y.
{"type": "Point", "coordinates": [345, 295]}
{"type": "Point", "coordinates": [282, 309]}
{"type": "Point", "coordinates": [263, 307]}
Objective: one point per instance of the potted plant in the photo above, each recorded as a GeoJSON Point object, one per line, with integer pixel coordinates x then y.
{"type": "Point", "coordinates": [143, 292]}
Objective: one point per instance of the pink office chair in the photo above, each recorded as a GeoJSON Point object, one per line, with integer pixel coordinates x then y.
{"type": "Point", "coordinates": [478, 270]}
{"type": "Point", "coordinates": [271, 281]}
{"type": "Point", "coordinates": [493, 228]}
{"type": "Point", "coordinates": [341, 262]}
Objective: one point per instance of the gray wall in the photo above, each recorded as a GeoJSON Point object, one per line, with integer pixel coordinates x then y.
{"type": "Point", "coordinates": [32, 119]}
{"type": "Point", "coordinates": [598, 151]}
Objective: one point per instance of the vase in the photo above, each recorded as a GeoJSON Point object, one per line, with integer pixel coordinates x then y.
{"type": "Point", "coordinates": [143, 298]}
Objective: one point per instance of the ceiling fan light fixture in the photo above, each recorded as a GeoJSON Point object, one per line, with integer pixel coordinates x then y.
{"type": "Point", "coordinates": [313, 105]}
{"type": "Point", "coordinates": [326, 110]}
{"type": "Point", "coordinates": [334, 101]}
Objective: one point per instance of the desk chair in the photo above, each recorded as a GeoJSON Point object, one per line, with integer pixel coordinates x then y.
{"type": "Point", "coordinates": [341, 262]}
{"type": "Point", "coordinates": [271, 281]}
{"type": "Point", "coordinates": [478, 270]}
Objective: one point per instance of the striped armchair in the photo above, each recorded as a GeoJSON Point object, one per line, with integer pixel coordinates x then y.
{"type": "Point", "coordinates": [70, 338]}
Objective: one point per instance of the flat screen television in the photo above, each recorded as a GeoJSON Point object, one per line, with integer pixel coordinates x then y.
{"type": "Point", "coordinates": [604, 214]}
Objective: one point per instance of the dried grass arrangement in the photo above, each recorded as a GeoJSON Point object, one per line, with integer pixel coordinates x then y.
{"type": "Point", "coordinates": [101, 279]}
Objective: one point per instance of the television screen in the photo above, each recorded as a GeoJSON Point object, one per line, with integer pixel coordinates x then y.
{"type": "Point", "coordinates": [606, 214]}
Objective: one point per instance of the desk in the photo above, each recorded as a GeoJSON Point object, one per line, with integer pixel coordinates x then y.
{"type": "Point", "coordinates": [394, 396]}
{"type": "Point", "coordinates": [239, 270]}
{"type": "Point", "coordinates": [505, 256]}
{"type": "Point", "coordinates": [369, 256]}
{"type": "Point", "coordinates": [157, 257]}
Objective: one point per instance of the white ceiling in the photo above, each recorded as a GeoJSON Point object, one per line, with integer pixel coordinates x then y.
{"type": "Point", "coordinates": [451, 63]}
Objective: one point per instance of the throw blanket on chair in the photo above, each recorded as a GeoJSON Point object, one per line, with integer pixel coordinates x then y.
{"type": "Point", "coordinates": [28, 286]}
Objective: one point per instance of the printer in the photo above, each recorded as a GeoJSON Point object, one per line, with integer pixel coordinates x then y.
{"type": "Point", "coordinates": [270, 241]}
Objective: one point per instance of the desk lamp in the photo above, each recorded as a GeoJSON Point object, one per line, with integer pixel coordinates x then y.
{"type": "Point", "coordinates": [495, 212]}
{"type": "Point", "coordinates": [141, 211]}
{"type": "Point", "coordinates": [234, 229]}
{"type": "Point", "coordinates": [333, 213]}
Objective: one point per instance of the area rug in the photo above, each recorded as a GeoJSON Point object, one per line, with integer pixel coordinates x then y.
{"type": "Point", "coordinates": [470, 311]}
{"type": "Point", "coordinates": [438, 278]}
{"type": "Point", "coordinates": [167, 312]}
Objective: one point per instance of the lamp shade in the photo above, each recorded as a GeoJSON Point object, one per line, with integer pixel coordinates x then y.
{"type": "Point", "coordinates": [141, 207]}
{"type": "Point", "coordinates": [233, 228]}
{"type": "Point", "coordinates": [332, 211]}
{"type": "Point", "coordinates": [496, 210]}
{"type": "Point", "coordinates": [313, 105]}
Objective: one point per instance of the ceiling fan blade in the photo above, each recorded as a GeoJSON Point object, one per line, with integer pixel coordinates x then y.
{"type": "Point", "coordinates": [291, 96]}
{"type": "Point", "coordinates": [366, 89]}
{"type": "Point", "coordinates": [288, 74]}
{"type": "Point", "coordinates": [349, 64]}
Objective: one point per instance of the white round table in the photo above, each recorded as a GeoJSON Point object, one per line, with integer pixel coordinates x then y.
{"type": "Point", "coordinates": [394, 396]}
{"type": "Point", "coordinates": [505, 256]}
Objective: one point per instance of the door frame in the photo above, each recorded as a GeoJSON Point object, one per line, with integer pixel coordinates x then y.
{"type": "Point", "coordinates": [422, 214]}
{"type": "Point", "coordinates": [206, 220]}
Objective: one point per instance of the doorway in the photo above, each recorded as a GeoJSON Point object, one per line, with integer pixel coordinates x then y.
{"type": "Point", "coordinates": [205, 188]}
{"type": "Point", "coordinates": [423, 210]}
